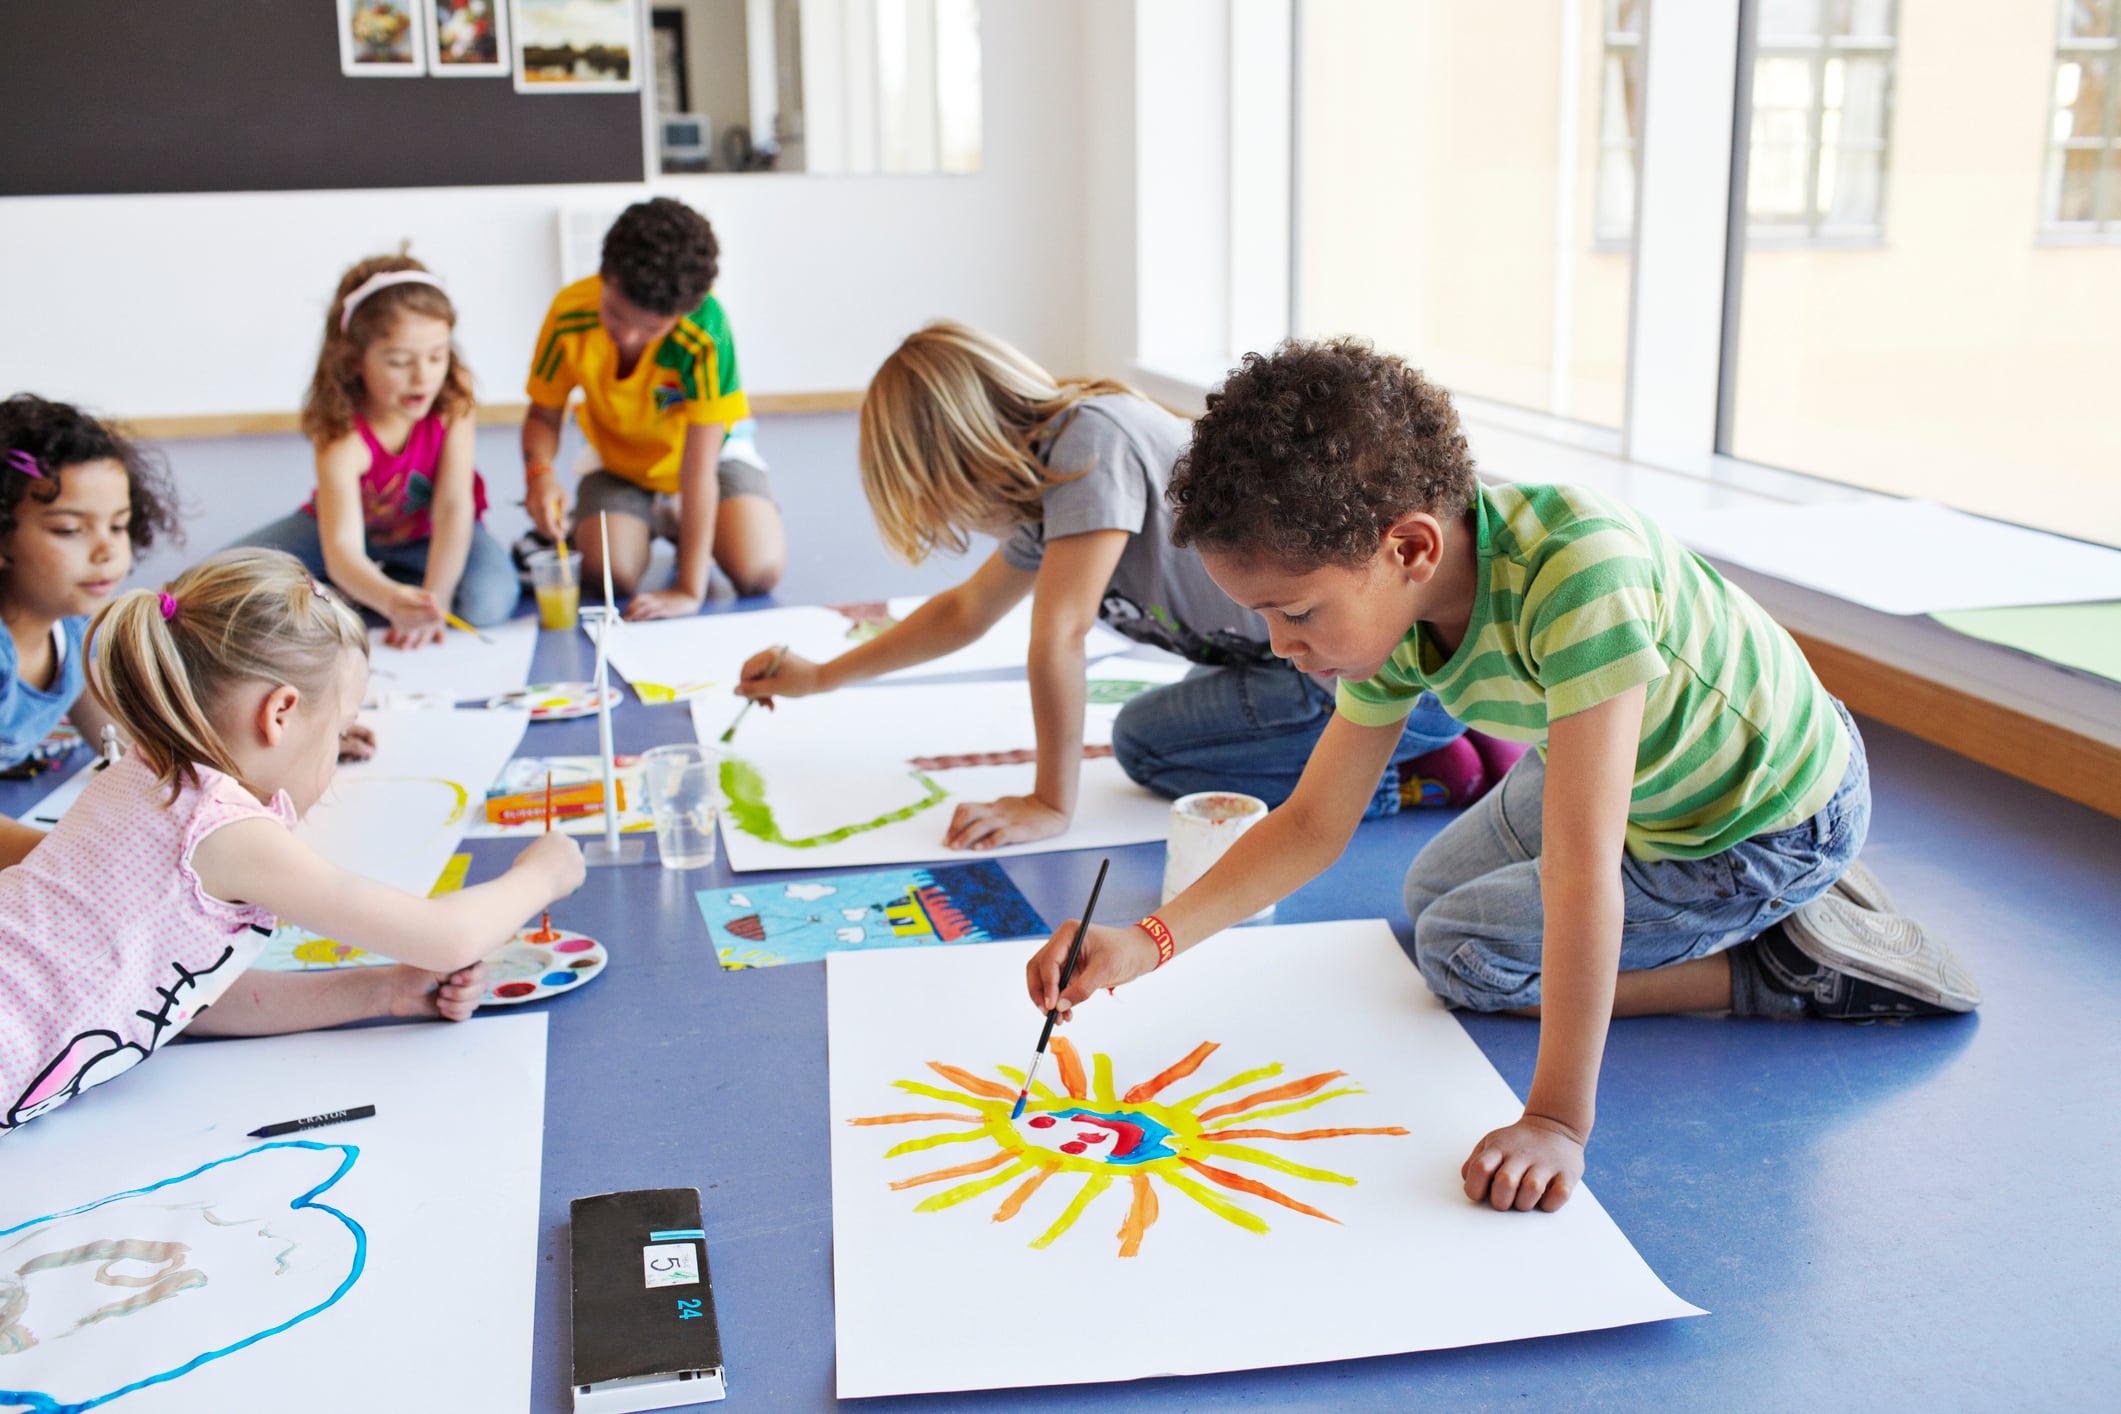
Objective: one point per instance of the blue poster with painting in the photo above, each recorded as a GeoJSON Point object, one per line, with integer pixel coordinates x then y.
{"type": "Point", "coordinates": [765, 925]}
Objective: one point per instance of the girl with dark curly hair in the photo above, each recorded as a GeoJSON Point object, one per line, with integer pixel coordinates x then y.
{"type": "Point", "coordinates": [76, 500]}
{"type": "Point", "coordinates": [394, 521]}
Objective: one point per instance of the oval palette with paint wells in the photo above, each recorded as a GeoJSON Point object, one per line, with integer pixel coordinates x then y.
{"type": "Point", "coordinates": [533, 965]}
{"type": "Point", "coordinates": [556, 701]}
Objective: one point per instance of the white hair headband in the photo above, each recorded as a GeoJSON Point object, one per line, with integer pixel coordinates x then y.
{"type": "Point", "coordinates": [383, 281]}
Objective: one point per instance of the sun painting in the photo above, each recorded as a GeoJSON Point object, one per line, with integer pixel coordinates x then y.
{"type": "Point", "coordinates": [1197, 1147]}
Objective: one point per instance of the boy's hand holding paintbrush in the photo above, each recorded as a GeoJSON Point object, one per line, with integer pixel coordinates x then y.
{"type": "Point", "coordinates": [778, 673]}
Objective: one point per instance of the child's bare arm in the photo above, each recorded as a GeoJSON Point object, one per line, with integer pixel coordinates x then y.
{"type": "Point", "coordinates": [699, 500]}
{"type": "Point", "coordinates": [542, 495]}
{"type": "Point", "coordinates": [1538, 1161]}
{"type": "Point", "coordinates": [454, 511]}
{"type": "Point", "coordinates": [1070, 589]}
{"type": "Point", "coordinates": [945, 623]}
{"type": "Point", "coordinates": [1275, 857]}
{"type": "Point", "coordinates": [261, 1003]}
{"type": "Point", "coordinates": [257, 862]}
{"type": "Point", "coordinates": [17, 840]}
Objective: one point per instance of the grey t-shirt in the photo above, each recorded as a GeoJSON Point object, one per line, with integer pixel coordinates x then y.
{"type": "Point", "coordinates": [1124, 448]}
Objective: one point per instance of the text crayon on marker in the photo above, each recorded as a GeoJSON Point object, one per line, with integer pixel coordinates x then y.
{"type": "Point", "coordinates": [328, 1117]}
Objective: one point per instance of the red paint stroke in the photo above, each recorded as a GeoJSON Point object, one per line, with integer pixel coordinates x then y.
{"type": "Point", "coordinates": [1148, 1089]}
{"type": "Point", "coordinates": [1043, 1121]}
{"type": "Point", "coordinates": [1021, 756]}
{"type": "Point", "coordinates": [947, 918]}
{"type": "Point", "coordinates": [514, 989]}
{"type": "Point", "coordinates": [749, 928]}
{"type": "Point", "coordinates": [966, 1080]}
{"type": "Point", "coordinates": [1139, 1217]}
{"type": "Point", "coordinates": [1014, 1203]}
{"type": "Point", "coordinates": [1254, 1187]}
{"type": "Point", "coordinates": [910, 1118]}
{"type": "Point", "coordinates": [1299, 1134]}
{"type": "Point", "coordinates": [1128, 1136]}
{"type": "Point", "coordinates": [977, 1166]}
{"type": "Point", "coordinates": [1071, 1068]}
{"type": "Point", "coordinates": [1295, 1089]}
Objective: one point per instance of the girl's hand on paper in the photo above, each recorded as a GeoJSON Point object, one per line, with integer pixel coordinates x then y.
{"type": "Point", "coordinates": [356, 743]}
{"type": "Point", "coordinates": [1534, 1163]}
{"type": "Point", "coordinates": [558, 859]}
{"type": "Point", "coordinates": [415, 618]}
{"type": "Point", "coordinates": [661, 604]}
{"type": "Point", "coordinates": [759, 681]}
{"type": "Point", "coordinates": [1111, 956]}
{"type": "Point", "coordinates": [1014, 819]}
{"type": "Point", "coordinates": [452, 996]}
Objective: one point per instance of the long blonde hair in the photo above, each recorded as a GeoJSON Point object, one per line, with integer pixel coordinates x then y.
{"type": "Point", "coordinates": [948, 427]}
{"type": "Point", "coordinates": [244, 615]}
{"type": "Point", "coordinates": [335, 389]}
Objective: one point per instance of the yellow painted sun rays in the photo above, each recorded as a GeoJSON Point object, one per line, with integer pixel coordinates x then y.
{"type": "Point", "coordinates": [1109, 1139]}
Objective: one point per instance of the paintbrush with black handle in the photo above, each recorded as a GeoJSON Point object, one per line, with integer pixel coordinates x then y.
{"type": "Point", "coordinates": [1075, 952]}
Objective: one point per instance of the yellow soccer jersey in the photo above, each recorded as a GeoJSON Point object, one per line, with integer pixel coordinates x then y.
{"type": "Point", "coordinates": [637, 424]}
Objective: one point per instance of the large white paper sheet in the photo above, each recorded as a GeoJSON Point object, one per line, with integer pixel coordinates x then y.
{"type": "Point", "coordinates": [390, 1262]}
{"type": "Point", "coordinates": [46, 812]}
{"type": "Point", "coordinates": [398, 816]}
{"type": "Point", "coordinates": [873, 775]}
{"type": "Point", "coordinates": [1903, 557]}
{"type": "Point", "coordinates": [458, 669]}
{"type": "Point", "coordinates": [942, 1282]}
{"type": "Point", "coordinates": [675, 658]}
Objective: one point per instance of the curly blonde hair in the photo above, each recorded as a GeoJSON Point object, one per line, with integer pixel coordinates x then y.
{"type": "Point", "coordinates": [335, 390]}
{"type": "Point", "coordinates": [948, 431]}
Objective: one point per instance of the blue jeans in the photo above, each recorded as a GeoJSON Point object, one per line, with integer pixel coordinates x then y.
{"type": "Point", "coordinates": [1473, 891]}
{"type": "Point", "coordinates": [486, 594]}
{"type": "Point", "coordinates": [1251, 729]}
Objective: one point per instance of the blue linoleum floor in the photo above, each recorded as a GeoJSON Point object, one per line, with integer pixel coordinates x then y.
{"type": "Point", "coordinates": [1896, 1216]}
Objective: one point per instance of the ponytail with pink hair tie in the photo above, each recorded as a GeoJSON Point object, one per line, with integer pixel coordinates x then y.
{"type": "Point", "coordinates": [169, 606]}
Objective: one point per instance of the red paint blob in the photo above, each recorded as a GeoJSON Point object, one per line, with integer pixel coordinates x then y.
{"type": "Point", "coordinates": [1042, 1121]}
{"type": "Point", "coordinates": [1073, 1146]}
{"type": "Point", "coordinates": [514, 989]}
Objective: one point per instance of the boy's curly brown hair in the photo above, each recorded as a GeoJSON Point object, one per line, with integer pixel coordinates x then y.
{"type": "Point", "coordinates": [1310, 453]}
{"type": "Point", "coordinates": [662, 255]}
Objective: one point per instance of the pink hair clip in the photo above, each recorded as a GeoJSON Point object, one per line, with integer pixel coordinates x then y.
{"type": "Point", "coordinates": [23, 462]}
{"type": "Point", "coordinates": [169, 606]}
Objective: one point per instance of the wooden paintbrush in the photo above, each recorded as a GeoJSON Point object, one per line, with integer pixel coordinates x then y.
{"type": "Point", "coordinates": [772, 669]}
{"type": "Point", "coordinates": [1075, 952]}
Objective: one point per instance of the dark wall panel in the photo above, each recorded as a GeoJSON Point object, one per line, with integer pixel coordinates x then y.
{"type": "Point", "coordinates": [114, 96]}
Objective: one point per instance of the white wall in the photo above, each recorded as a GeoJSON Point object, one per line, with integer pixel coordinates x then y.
{"type": "Point", "coordinates": [170, 305]}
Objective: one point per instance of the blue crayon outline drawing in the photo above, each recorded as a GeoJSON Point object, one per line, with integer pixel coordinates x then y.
{"type": "Point", "coordinates": [38, 1402]}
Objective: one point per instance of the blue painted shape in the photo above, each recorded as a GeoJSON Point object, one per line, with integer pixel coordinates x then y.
{"type": "Point", "coordinates": [1152, 1144]}
{"type": "Point", "coordinates": [766, 924]}
{"type": "Point", "coordinates": [679, 1234]}
{"type": "Point", "coordinates": [559, 979]}
{"type": "Point", "coordinates": [43, 1402]}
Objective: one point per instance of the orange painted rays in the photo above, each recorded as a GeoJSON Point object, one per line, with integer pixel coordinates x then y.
{"type": "Point", "coordinates": [1090, 1129]}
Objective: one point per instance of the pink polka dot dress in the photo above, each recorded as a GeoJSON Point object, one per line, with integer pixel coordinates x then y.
{"type": "Point", "coordinates": [109, 946]}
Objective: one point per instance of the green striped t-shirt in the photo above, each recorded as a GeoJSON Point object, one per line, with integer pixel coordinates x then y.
{"type": "Point", "coordinates": [1581, 598]}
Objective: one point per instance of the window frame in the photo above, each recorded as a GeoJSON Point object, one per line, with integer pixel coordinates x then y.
{"type": "Point", "coordinates": [1817, 51]}
{"type": "Point", "coordinates": [2105, 225]}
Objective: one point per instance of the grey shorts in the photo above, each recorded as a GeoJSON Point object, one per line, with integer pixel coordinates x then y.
{"type": "Point", "coordinates": [608, 491]}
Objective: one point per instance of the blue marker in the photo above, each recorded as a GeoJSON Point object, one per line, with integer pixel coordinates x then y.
{"type": "Point", "coordinates": [1075, 951]}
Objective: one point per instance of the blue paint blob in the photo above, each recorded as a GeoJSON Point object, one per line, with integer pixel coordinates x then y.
{"type": "Point", "coordinates": [558, 979]}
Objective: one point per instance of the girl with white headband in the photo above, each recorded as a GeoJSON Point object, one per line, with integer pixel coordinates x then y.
{"type": "Point", "coordinates": [394, 521]}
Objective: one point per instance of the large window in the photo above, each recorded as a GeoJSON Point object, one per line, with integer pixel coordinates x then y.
{"type": "Point", "coordinates": [1620, 118]}
{"type": "Point", "coordinates": [1960, 357]}
{"type": "Point", "coordinates": [2083, 188]}
{"type": "Point", "coordinates": [1448, 196]}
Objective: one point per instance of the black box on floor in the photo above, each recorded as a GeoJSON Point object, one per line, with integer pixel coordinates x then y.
{"type": "Point", "coordinates": [644, 1329]}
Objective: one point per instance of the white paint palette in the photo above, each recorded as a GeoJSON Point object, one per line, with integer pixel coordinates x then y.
{"type": "Point", "coordinates": [556, 701]}
{"type": "Point", "coordinates": [532, 966]}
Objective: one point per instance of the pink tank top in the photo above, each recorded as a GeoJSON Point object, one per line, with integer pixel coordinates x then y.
{"type": "Point", "coordinates": [398, 489]}
{"type": "Point", "coordinates": [109, 946]}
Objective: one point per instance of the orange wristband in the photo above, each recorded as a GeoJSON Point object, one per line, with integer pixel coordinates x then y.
{"type": "Point", "coordinates": [535, 470]}
{"type": "Point", "coordinates": [1166, 945]}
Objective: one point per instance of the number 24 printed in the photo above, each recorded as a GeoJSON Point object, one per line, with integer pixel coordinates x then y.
{"type": "Point", "coordinates": [689, 1308]}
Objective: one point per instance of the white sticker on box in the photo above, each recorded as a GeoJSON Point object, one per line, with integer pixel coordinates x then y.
{"type": "Point", "coordinates": [671, 1264]}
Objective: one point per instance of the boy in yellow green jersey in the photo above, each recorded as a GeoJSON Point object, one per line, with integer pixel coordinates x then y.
{"type": "Point", "coordinates": [670, 437]}
{"type": "Point", "coordinates": [1682, 839]}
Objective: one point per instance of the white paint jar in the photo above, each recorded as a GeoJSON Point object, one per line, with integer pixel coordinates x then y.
{"type": "Point", "coordinates": [1203, 827]}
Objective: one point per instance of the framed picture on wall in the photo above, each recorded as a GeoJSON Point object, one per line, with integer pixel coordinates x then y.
{"type": "Point", "coordinates": [577, 46]}
{"type": "Point", "coordinates": [467, 38]}
{"type": "Point", "coordinates": [381, 39]}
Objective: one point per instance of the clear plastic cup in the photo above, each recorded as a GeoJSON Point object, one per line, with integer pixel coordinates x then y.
{"type": "Point", "coordinates": [555, 579]}
{"type": "Point", "coordinates": [681, 796]}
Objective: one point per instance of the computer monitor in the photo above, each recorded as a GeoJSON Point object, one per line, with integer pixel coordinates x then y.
{"type": "Point", "coordinates": [687, 142]}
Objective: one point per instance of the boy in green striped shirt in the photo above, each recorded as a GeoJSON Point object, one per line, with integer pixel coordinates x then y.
{"type": "Point", "coordinates": [1683, 838]}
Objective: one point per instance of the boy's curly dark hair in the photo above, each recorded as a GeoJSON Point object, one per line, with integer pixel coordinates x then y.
{"type": "Point", "coordinates": [59, 435]}
{"type": "Point", "coordinates": [662, 255]}
{"type": "Point", "coordinates": [1310, 453]}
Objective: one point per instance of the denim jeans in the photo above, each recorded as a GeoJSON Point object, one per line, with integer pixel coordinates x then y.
{"type": "Point", "coordinates": [1473, 892]}
{"type": "Point", "coordinates": [1251, 729]}
{"type": "Point", "coordinates": [487, 594]}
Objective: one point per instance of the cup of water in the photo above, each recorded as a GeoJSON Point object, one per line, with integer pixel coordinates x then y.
{"type": "Point", "coordinates": [681, 797]}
